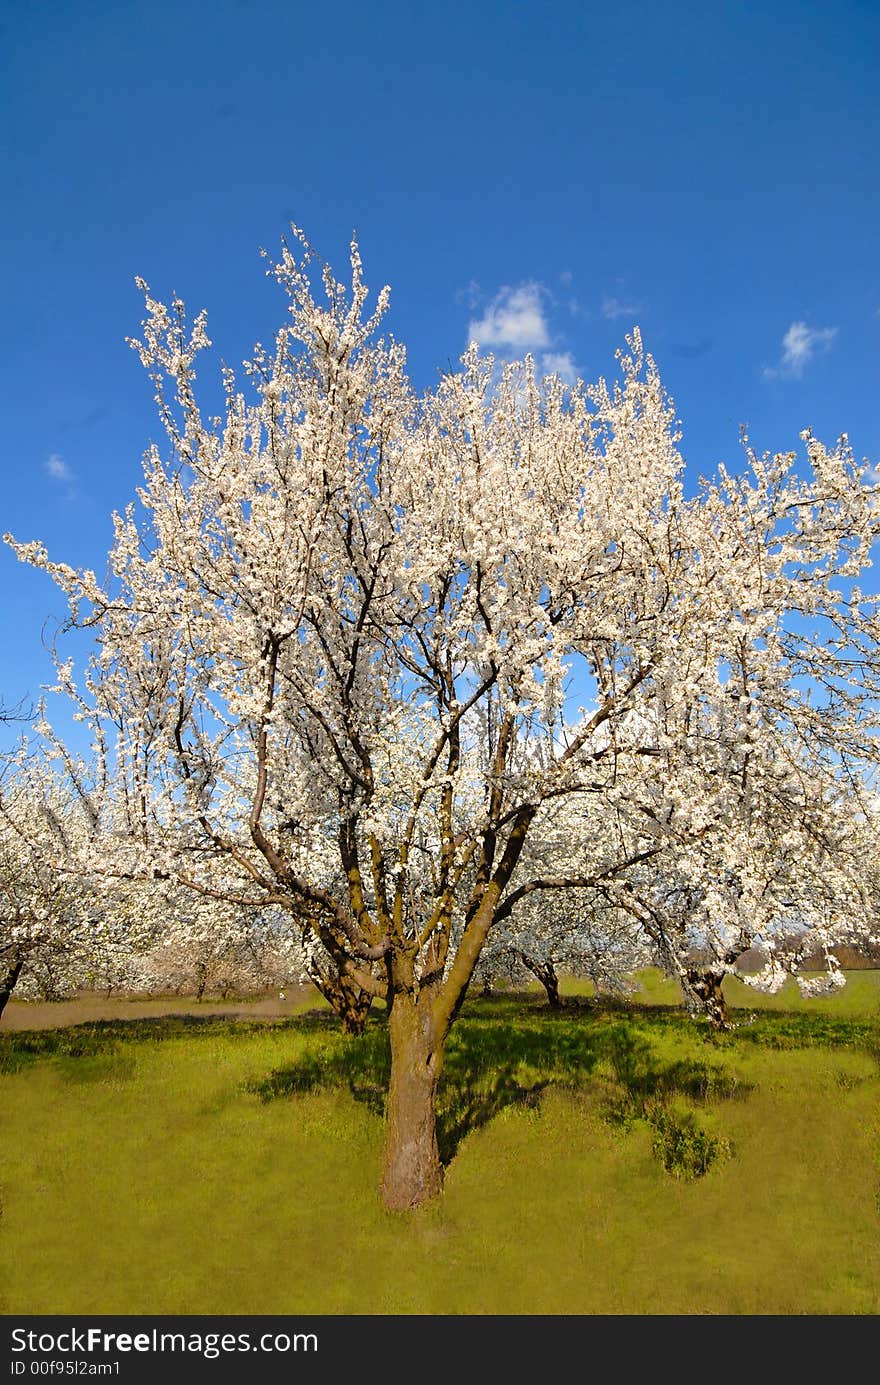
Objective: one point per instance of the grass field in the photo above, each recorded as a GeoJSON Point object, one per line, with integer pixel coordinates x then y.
{"type": "Point", "coordinates": [607, 1159]}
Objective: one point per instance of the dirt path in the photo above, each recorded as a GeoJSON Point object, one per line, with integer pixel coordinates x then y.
{"type": "Point", "coordinates": [57, 1014]}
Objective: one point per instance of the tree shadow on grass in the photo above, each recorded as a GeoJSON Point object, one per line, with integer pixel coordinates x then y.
{"type": "Point", "coordinates": [476, 1084]}
{"type": "Point", "coordinates": [786, 1029]}
{"type": "Point", "coordinates": [494, 1061]}
{"type": "Point", "coordinates": [505, 1050]}
{"type": "Point", "coordinates": [664, 1095]}
{"type": "Point", "coordinates": [94, 1038]}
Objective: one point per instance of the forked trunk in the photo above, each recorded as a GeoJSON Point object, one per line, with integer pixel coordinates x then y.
{"type": "Point", "coordinates": [413, 1173]}
{"type": "Point", "coordinates": [703, 992]}
{"type": "Point", "coordinates": [8, 977]}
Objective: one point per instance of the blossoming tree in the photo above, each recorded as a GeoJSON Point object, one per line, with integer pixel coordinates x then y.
{"type": "Point", "coordinates": [789, 879]}
{"type": "Point", "coordinates": [758, 793]}
{"type": "Point", "coordinates": [577, 930]}
{"type": "Point", "coordinates": [348, 614]}
{"type": "Point", "coordinates": [57, 931]}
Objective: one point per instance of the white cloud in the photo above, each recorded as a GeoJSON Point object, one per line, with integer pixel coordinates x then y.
{"type": "Point", "coordinates": [799, 345]}
{"type": "Point", "coordinates": [58, 468]}
{"type": "Point", "coordinates": [560, 363]}
{"type": "Point", "coordinates": [514, 320]}
{"type": "Point", "coordinates": [618, 307]}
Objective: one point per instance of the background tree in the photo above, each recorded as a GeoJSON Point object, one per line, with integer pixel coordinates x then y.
{"type": "Point", "coordinates": [56, 930]}
{"type": "Point", "coordinates": [203, 948]}
{"type": "Point", "coordinates": [571, 931]}
{"type": "Point", "coordinates": [759, 791]}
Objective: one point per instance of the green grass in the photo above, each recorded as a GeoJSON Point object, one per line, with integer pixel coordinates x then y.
{"type": "Point", "coordinates": [606, 1159]}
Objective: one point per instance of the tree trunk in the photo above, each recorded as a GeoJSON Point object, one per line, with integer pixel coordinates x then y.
{"type": "Point", "coordinates": [413, 1173]}
{"type": "Point", "coordinates": [349, 1000]}
{"type": "Point", "coordinates": [546, 974]}
{"type": "Point", "coordinates": [353, 1008]}
{"type": "Point", "coordinates": [703, 992]}
{"type": "Point", "coordinates": [550, 981]}
{"type": "Point", "coordinates": [8, 978]}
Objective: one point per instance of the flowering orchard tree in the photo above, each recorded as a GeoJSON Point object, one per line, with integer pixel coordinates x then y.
{"type": "Point", "coordinates": [201, 948]}
{"type": "Point", "coordinates": [575, 930]}
{"type": "Point", "coordinates": [40, 911]}
{"type": "Point", "coordinates": [325, 963]}
{"type": "Point", "coordinates": [763, 843]}
{"type": "Point", "coordinates": [56, 932]}
{"type": "Point", "coordinates": [578, 934]}
{"type": "Point", "coordinates": [349, 614]}
{"type": "Point", "coordinates": [790, 890]}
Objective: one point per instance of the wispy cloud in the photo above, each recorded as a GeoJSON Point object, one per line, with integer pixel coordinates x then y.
{"type": "Point", "coordinates": [799, 345]}
{"type": "Point", "coordinates": [57, 468]}
{"type": "Point", "coordinates": [470, 295]}
{"type": "Point", "coordinates": [619, 307]}
{"type": "Point", "coordinates": [560, 363]}
{"type": "Point", "coordinates": [514, 320]}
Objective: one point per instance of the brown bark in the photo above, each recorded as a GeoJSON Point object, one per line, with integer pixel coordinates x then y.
{"type": "Point", "coordinates": [546, 974]}
{"type": "Point", "coordinates": [703, 991]}
{"type": "Point", "coordinates": [420, 1017]}
{"type": "Point", "coordinates": [348, 999]}
{"type": "Point", "coordinates": [354, 1012]}
{"type": "Point", "coordinates": [8, 977]}
{"type": "Point", "coordinates": [412, 1172]}
{"type": "Point", "coordinates": [340, 987]}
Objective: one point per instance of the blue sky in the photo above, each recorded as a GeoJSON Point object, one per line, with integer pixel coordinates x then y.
{"type": "Point", "coordinates": [542, 176]}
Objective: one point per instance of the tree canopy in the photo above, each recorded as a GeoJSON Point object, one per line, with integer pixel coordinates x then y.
{"type": "Point", "coordinates": [362, 652]}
